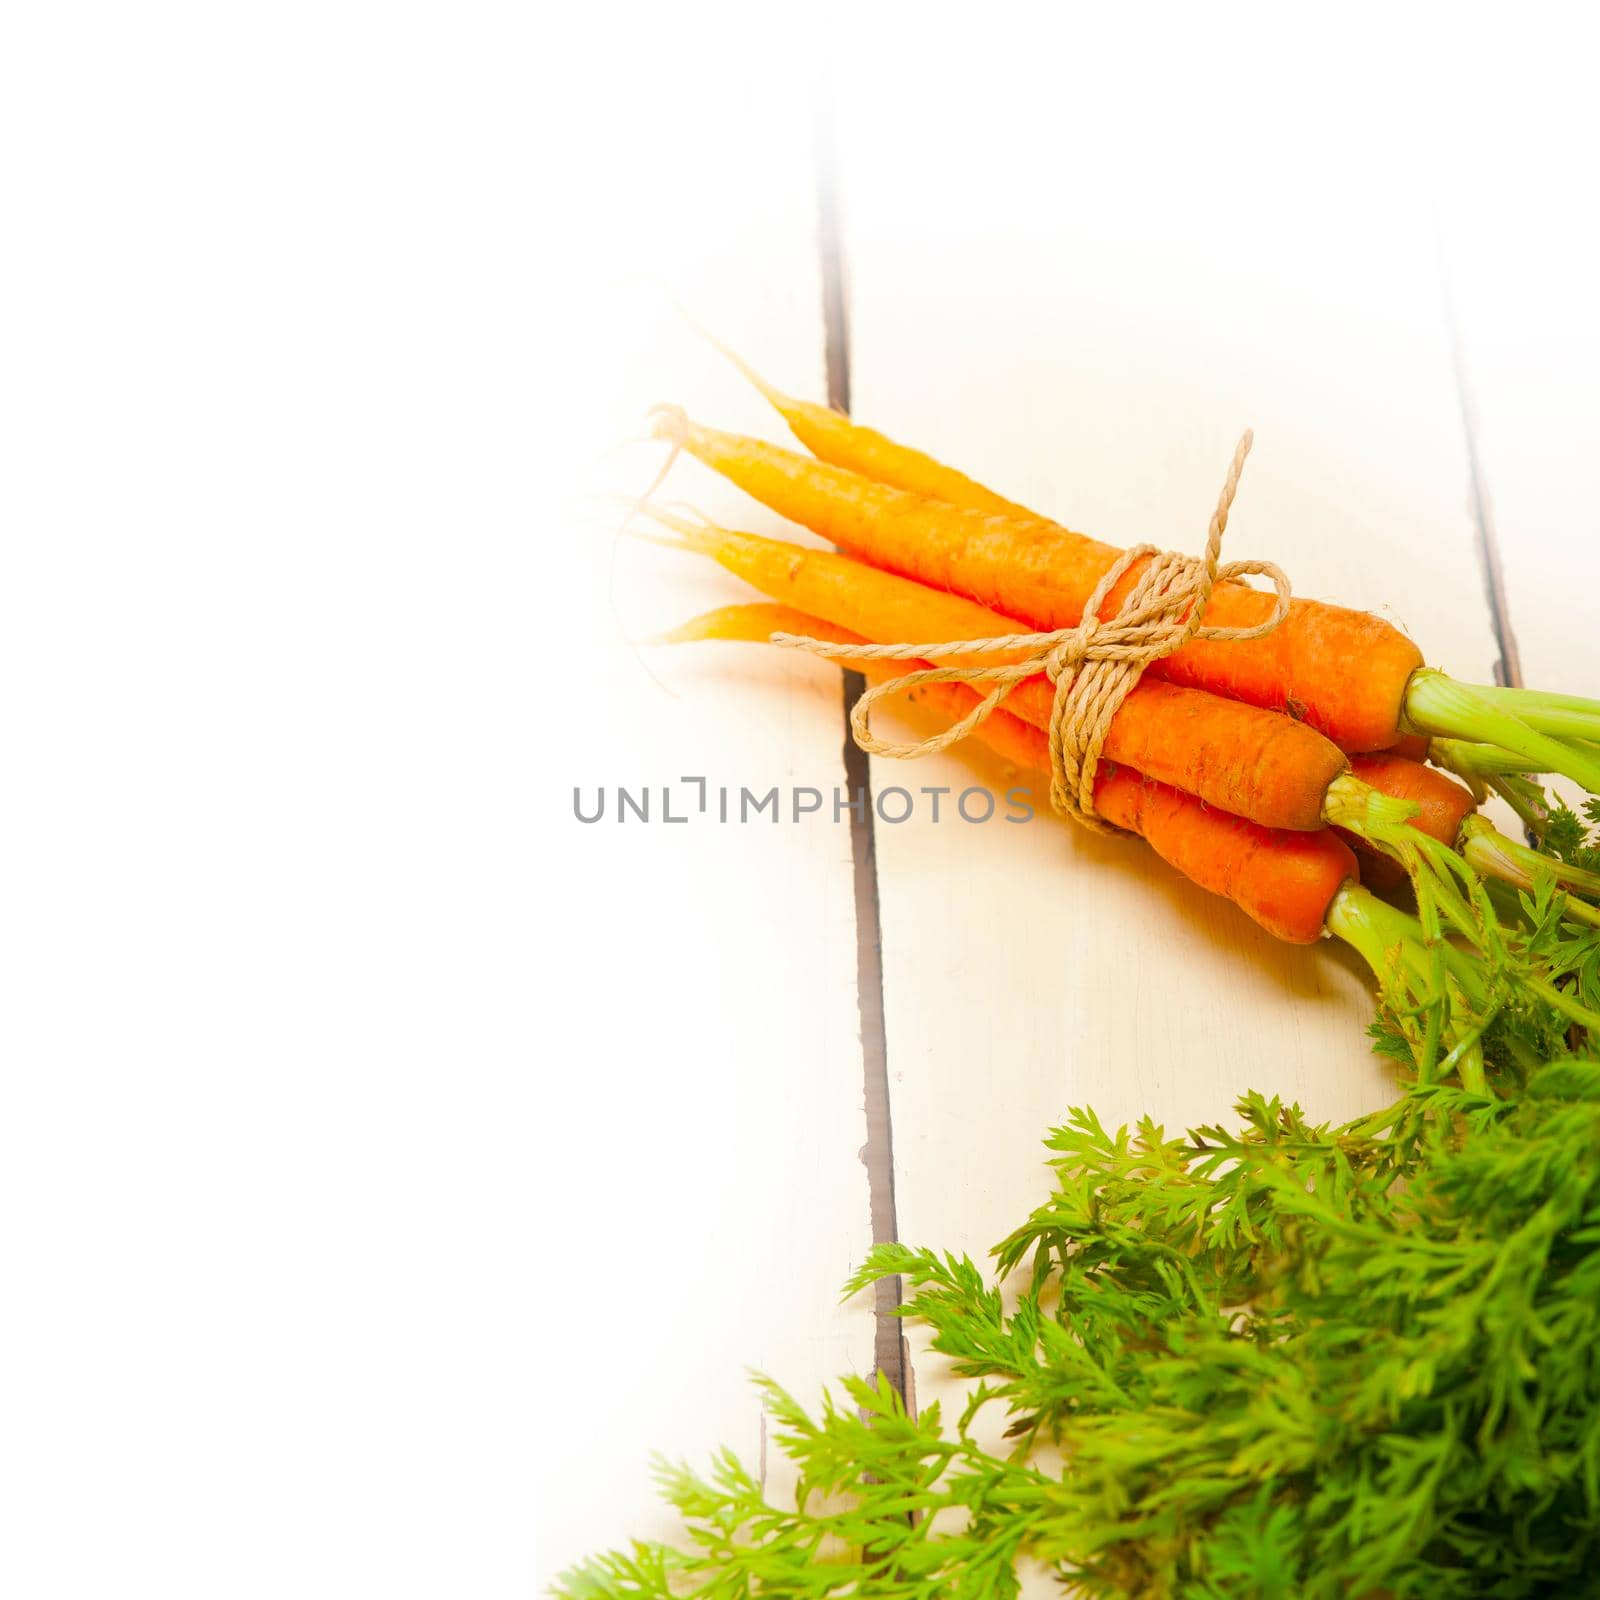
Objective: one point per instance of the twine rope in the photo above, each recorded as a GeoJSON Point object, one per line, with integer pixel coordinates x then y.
{"type": "Point", "coordinates": [1092, 666]}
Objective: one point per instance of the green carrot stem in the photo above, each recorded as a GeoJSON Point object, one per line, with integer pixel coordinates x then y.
{"type": "Point", "coordinates": [1392, 941]}
{"type": "Point", "coordinates": [1382, 821]}
{"type": "Point", "coordinates": [1439, 706]}
{"type": "Point", "coordinates": [1466, 1060]}
{"type": "Point", "coordinates": [1527, 799]}
{"type": "Point", "coordinates": [1434, 869]}
{"type": "Point", "coordinates": [1576, 910]}
{"type": "Point", "coordinates": [1421, 977]}
{"type": "Point", "coordinates": [1363, 921]}
{"type": "Point", "coordinates": [1506, 904]}
{"type": "Point", "coordinates": [1489, 850]}
{"type": "Point", "coordinates": [1566, 715]}
{"type": "Point", "coordinates": [1350, 803]}
{"type": "Point", "coordinates": [1563, 1002]}
{"type": "Point", "coordinates": [1477, 760]}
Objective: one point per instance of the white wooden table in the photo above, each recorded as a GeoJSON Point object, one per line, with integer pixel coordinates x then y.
{"type": "Point", "coordinates": [389, 1160]}
{"type": "Point", "coordinates": [1081, 297]}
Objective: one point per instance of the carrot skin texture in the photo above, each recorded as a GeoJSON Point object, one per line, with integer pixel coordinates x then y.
{"type": "Point", "coordinates": [1045, 574]}
{"type": "Point", "coordinates": [1283, 880]}
{"type": "Point", "coordinates": [1267, 768]}
{"type": "Point", "coordinates": [1442, 803]}
{"type": "Point", "coordinates": [1251, 762]}
{"type": "Point", "coordinates": [838, 440]}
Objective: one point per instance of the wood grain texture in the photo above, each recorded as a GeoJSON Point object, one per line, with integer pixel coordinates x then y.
{"type": "Point", "coordinates": [1084, 311]}
{"type": "Point", "coordinates": [702, 1166]}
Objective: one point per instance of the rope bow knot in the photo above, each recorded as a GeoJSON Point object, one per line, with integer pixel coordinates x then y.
{"type": "Point", "coordinates": [1092, 665]}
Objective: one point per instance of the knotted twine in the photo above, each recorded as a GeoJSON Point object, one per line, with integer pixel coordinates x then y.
{"type": "Point", "coordinates": [1092, 666]}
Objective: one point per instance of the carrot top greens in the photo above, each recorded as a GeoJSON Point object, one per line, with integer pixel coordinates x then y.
{"type": "Point", "coordinates": [1272, 1359]}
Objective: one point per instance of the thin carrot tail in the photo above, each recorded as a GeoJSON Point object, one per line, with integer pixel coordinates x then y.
{"type": "Point", "coordinates": [767, 391]}
{"type": "Point", "coordinates": [774, 396]}
{"type": "Point", "coordinates": [753, 622]}
{"type": "Point", "coordinates": [688, 529]}
{"type": "Point", "coordinates": [831, 435]}
{"type": "Point", "coordinates": [709, 625]}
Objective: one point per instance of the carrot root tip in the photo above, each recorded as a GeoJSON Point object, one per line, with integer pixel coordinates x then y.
{"type": "Point", "coordinates": [691, 632]}
{"type": "Point", "coordinates": [669, 422]}
{"type": "Point", "coordinates": [687, 532]}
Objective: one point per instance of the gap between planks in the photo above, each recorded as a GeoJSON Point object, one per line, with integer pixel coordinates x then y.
{"type": "Point", "coordinates": [1508, 669]}
{"type": "Point", "coordinates": [889, 1355]}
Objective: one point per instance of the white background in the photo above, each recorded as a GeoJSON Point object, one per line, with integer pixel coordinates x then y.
{"type": "Point", "coordinates": [376, 1150]}
{"type": "Point", "coordinates": [372, 1136]}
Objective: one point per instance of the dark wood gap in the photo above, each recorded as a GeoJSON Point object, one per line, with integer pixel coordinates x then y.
{"type": "Point", "coordinates": [1508, 668]}
{"type": "Point", "coordinates": [877, 1154]}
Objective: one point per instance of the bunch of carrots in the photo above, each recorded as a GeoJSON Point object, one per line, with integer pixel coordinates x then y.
{"type": "Point", "coordinates": [1279, 771]}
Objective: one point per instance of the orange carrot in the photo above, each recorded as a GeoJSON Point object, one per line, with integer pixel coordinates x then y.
{"type": "Point", "coordinates": [833, 437]}
{"type": "Point", "coordinates": [1442, 803]}
{"type": "Point", "coordinates": [1253, 763]}
{"type": "Point", "coordinates": [1018, 742]}
{"type": "Point", "coordinates": [1521, 720]}
{"type": "Point", "coordinates": [755, 622]}
{"type": "Point", "coordinates": [1045, 574]}
{"type": "Point", "coordinates": [1008, 736]}
{"type": "Point", "coordinates": [1284, 880]}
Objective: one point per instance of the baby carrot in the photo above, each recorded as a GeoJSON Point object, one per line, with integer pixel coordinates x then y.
{"type": "Point", "coordinates": [1037, 570]}
{"type": "Point", "coordinates": [1444, 809]}
{"type": "Point", "coordinates": [1044, 574]}
{"type": "Point", "coordinates": [842, 442]}
{"type": "Point", "coordinates": [833, 437]}
{"type": "Point", "coordinates": [1284, 880]}
{"type": "Point", "coordinates": [1254, 763]}
{"type": "Point", "coordinates": [755, 622]}
{"type": "Point", "coordinates": [1442, 803]}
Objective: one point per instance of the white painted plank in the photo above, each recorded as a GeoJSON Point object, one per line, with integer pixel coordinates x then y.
{"type": "Point", "coordinates": [701, 1164]}
{"type": "Point", "coordinates": [1081, 284]}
